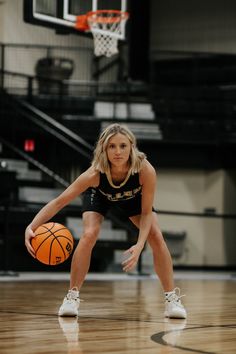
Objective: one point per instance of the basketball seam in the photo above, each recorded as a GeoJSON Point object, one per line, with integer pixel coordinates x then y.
{"type": "Point", "coordinates": [42, 242]}
{"type": "Point", "coordinates": [54, 239]}
{"type": "Point", "coordinates": [41, 233]}
{"type": "Point", "coordinates": [50, 253]}
{"type": "Point", "coordinates": [53, 224]}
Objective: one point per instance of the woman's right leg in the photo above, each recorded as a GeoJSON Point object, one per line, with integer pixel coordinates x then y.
{"type": "Point", "coordinates": [82, 255]}
{"type": "Point", "coordinates": [81, 262]}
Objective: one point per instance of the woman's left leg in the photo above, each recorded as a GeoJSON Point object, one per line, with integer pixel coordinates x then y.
{"type": "Point", "coordinates": [164, 269]}
{"type": "Point", "coordinates": [161, 255]}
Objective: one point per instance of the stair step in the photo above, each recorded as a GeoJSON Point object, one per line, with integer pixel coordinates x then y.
{"type": "Point", "coordinates": [35, 183]}
{"type": "Point", "coordinates": [30, 175]}
{"type": "Point", "coordinates": [14, 165]}
{"type": "Point", "coordinates": [106, 233]}
{"type": "Point", "coordinates": [123, 110]}
{"type": "Point", "coordinates": [22, 169]}
{"type": "Point", "coordinates": [42, 195]}
{"type": "Point", "coordinates": [144, 131]}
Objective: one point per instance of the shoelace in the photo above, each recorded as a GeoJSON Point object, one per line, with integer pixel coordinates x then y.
{"type": "Point", "coordinates": [175, 297]}
{"type": "Point", "coordinates": [71, 297]}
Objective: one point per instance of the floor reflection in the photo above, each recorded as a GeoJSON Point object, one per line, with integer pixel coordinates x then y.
{"type": "Point", "coordinates": [70, 329]}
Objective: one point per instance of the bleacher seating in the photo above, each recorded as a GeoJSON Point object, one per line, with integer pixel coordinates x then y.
{"type": "Point", "coordinates": [194, 97]}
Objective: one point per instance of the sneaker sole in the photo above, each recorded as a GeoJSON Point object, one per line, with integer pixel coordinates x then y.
{"type": "Point", "coordinates": [175, 315]}
{"type": "Point", "coordinates": [67, 314]}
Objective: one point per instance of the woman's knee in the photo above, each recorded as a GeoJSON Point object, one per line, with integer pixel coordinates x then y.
{"type": "Point", "coordinates": [155, 238]}
{"type": "Point", "coordinates": [90, 236]}
{"type": "Point", "coordinates": [91, 226]}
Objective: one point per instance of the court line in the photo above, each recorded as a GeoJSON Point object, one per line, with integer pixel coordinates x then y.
{"type": "Point", "coordinates": [64, 276]}
{"type": "Point", "coordinates": [158, 338]}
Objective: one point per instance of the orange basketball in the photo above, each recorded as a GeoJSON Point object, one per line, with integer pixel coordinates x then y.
{"type": "Point", "coordinates": [53, 243]}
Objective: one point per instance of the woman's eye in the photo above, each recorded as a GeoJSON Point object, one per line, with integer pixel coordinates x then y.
{"type": "Point", "coordinates": [123, 146]}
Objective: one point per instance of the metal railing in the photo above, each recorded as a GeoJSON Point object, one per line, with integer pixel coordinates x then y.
{"type": "Point", "coordinates": [24, 59]}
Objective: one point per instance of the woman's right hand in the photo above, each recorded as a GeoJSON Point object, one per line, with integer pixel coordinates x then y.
{"type": "Point", "coordinates": [29, 234]}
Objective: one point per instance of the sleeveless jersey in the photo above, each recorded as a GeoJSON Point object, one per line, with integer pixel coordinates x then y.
{"type": "Point", "coordinates": [130, 190]}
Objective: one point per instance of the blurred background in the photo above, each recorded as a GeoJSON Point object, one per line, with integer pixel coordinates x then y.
{"type": "Point", "coordinates": [173, 82]}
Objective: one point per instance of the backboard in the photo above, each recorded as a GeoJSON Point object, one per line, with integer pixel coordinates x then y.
{"type": "Point", "coordinates": [62, 13]}
{"type": "Point", "coordinates": [104, 19]}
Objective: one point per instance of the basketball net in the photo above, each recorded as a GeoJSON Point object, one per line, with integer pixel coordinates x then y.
{"type": "Point", "coordinates": [107, 27]}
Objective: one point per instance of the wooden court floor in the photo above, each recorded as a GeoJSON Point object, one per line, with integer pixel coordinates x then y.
{"type": "Point", "coordinates": [117, 317]}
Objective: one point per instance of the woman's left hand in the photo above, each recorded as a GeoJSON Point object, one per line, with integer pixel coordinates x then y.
{"type": "Point", "coordinates": [132, 260]}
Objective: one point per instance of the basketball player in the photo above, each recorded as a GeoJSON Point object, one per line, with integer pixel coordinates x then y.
{"type": "Point", "coordinates": [121, 177]}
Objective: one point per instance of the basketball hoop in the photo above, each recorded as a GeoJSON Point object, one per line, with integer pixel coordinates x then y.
{"type": "Point", "coordinates": [107, 27]}
{"type": "Point", "coordinates": [82, 23]}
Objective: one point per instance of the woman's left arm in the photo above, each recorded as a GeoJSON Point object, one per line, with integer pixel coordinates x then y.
{"type": "Point", "coordinates": [148, 182]}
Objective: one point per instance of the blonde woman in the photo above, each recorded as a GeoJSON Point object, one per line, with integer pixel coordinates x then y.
{"type": "Point", "coordinates": [120, 177]}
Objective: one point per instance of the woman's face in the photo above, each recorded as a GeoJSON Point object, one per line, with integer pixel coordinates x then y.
{"type": "Point", "coordinates": [118, 150]}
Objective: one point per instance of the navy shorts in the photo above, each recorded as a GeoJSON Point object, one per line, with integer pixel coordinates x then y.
{"type": "Point", "coordinates": [93, 200]}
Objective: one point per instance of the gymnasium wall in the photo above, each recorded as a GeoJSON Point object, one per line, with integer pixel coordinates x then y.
{"type": "Point", "coordinates": [210, 241]}
{"type": "Point", "coordinates": [1, 23]}
{"type": "Point", "coordinates": [184, 25]}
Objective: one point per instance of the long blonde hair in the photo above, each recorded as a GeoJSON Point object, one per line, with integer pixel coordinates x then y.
{"type": "Point", "coordinates": [100, 161]}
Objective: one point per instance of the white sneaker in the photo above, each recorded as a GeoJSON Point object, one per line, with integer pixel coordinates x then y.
{"type": "Point", "coordinates": [70, 305]}
{"type": "Point", "coordinates": [173, 305]}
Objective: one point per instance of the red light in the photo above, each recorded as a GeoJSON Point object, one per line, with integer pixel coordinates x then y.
{"type": "Point", "coordinates": [29, 145]}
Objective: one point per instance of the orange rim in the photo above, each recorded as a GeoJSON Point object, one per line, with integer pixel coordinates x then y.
{"type": "Point", "coordinates": [82, 23]}
{"type": "Point", "coordinates": [97, 16]}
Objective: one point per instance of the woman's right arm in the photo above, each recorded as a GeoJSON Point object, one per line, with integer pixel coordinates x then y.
{"type": "Point", "coordinates": [89, 178]}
